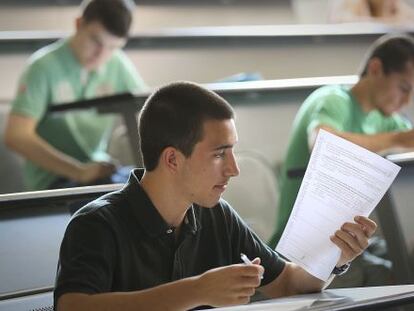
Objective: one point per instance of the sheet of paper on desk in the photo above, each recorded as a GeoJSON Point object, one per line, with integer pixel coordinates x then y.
{"type": "Point", "coordinates": [342, 180]}
{"type": "Point", "coordinates": [283, 304]}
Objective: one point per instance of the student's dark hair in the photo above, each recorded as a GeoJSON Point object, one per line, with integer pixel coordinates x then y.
{"type": "Point", "coordinates": [174, 115]}
{"type": "Point", "coordinates": [114, 15]}
{"type": "Point", "coordinates": [394, 51]}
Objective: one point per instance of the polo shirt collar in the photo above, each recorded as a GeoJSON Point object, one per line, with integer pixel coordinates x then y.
{"type": "Point", "coordinates": [72, 61]}
{"type": "Point", "coordinates": [145, 212]}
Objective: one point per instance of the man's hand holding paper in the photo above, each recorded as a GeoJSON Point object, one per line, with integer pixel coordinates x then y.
{"type": "Point", "coordinates": [352, 238]}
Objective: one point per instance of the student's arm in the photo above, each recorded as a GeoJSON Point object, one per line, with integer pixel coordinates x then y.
{"type": "Point", "coordinates": [230, 285]}
{"type": "Point", "coordinates": [352, 239]}
{"type": "Point", "coordinates": [334, 112]}
{"type": "Point", "coordinates": [377, 142]}
{"type": "Point", "coordinates": [20, 136]}
{"type": "Point", "coordinates": [293, 280]}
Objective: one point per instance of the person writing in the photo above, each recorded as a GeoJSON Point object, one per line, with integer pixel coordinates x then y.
{"type": "Point", "coordinates": [69, 149]}
{"type": "Point", "coordinates": [166, 240]}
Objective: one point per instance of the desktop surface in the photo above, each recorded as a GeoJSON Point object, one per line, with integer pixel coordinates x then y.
{"type": "Point", "coordinates": [358, 298]}
{"type": "Point", "coordinates": [29, 246]}
{"type": "Point", "coordinates": [37, 302]}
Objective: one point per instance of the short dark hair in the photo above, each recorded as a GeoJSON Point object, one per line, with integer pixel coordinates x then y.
{"type": "Point", "coordinates": [174, 116]}
{"type": "Point", "coordinates": [114, 15]}
{"type": "Point", "coordinates": [394, 51]}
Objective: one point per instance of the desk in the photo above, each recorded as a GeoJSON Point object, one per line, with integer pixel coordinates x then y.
{"type": "Point", "coordinates": [362, 298]}
{"type": "Point", "coordinates": [32, 225]}
{"type": "Point", "coordinates": [35, 302]}
{"type": "Point", "coordinates": [264, 109]}
{"type": "Point", "coordinates": [126, 105]}
{"type": "Point", "coordinates": [22, 40]}
{"type": "Point", "coordinates": [367, 298]}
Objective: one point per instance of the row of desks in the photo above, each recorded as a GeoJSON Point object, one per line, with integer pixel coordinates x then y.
{"type": "Point", "coordinates": [206, 54]}
{"type": "Point", "coordinates": [167, 38]}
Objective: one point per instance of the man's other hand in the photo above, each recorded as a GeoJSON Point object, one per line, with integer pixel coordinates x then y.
{"type": "Point", "coordinates": [352, 238]}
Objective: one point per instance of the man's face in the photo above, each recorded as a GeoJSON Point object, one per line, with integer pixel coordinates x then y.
{"type": "Point", "coordinates": [394, 90]}
{"type": "Point", "coordinates": [94, 44]}
{"type": "Point", "coordinates": [206, 172]}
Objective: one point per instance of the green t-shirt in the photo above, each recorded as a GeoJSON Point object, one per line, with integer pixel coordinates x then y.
{"type": "Point", "coordinates": [54, 76]}
{"type": "Point", "coordinates": [333, 106]}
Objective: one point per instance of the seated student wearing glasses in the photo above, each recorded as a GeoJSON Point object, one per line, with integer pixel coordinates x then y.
{"type": "Point", "coordinates": [166, 240]}
{"type": "Point", "coordinates": [69, 149]}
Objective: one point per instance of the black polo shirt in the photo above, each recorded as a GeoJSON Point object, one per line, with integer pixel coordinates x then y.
{"type": "Point", "coordinates": [120, 242]}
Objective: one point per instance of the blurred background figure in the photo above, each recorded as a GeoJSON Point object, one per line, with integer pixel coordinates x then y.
{"type": "Point", "coordinates": [396, 12]}
{"type": "Point", "coordinates": [70, 150]}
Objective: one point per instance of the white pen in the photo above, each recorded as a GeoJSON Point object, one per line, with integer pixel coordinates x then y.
{"type": "Point", "coordinates": [247, 261]}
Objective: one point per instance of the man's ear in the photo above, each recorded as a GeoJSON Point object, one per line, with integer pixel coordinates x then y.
{"type": "Point", "coordinates": [78, 23]}
{"type": "Point", "coordinates": [170, 158]}
{"type": "Point", "coordinates": [375, 67]}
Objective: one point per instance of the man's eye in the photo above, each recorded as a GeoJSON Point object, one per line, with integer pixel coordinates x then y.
{"type": "Point", "coordinates": [220, 154]}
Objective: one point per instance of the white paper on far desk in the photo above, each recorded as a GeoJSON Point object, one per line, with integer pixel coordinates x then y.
{"type": "Point", "coordinates": [342, 180]}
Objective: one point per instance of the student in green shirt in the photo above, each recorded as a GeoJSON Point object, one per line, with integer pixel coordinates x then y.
{"type": "Point", "coordinates": [69, 149]}
{"type": "Point", "coordinates": [365, 113]}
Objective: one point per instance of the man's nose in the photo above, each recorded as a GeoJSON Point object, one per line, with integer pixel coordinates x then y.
{"type": "Point", "coordinates": [232, 167]}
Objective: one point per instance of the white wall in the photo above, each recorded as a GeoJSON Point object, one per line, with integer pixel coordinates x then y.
{"type": "Point", "coordinates": [151, 17]}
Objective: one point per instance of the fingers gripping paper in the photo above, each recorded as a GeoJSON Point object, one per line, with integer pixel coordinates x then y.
{"type": "Point", "coordinates": [342, 180]}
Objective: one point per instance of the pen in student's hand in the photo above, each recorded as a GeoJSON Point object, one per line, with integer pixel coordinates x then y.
{"type": "Point", "coordinates": [247, 261]}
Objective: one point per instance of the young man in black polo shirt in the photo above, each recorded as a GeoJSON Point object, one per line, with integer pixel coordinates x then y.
{"type": "Point", "coordinates": [166, 241]}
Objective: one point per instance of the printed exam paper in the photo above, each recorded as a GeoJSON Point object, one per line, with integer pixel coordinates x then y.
{"type": "Point", "coordinates": [342, 180]}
